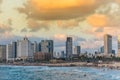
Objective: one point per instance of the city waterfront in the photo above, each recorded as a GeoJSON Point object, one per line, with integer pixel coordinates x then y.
{"type": "Point", "coordinates": [57, 73]}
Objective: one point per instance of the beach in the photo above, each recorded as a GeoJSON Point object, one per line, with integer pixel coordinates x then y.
{"type": "Point", "coordinates": [111, 65]}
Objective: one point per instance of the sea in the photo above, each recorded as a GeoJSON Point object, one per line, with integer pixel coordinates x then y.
{"type": "Point", "coordinates": [57, 73]}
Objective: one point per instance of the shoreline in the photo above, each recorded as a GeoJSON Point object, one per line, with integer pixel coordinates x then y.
{"type": "Point", "coordinates": [112, 65]}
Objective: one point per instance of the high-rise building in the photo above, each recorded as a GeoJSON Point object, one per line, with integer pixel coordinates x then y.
{"type": "Point", "coordinates": [107, 44]}
{"type": "Point", "coordinates": [69, 48]}
{"type": "Point", "coordinates": [46, 46]}
{"type": "Point", "coordinates": [77, 50]}
{"type": "Point", "coordinates": [119, 46]}
{"type": "Point", "coordinates": [2, 52]}
{"type": "Point", "coordinates": [113, 52]}
{"type": "Point", "coordinates": [62, 54]}
{"type": "Point", "coordinates": [102, 49]}
{"type": "Point", "coordinates": [39, 47]}
{"type": "Point", "coordinates": [11, 51]}
{"type": "Point", "coordinates": [35, 47]}
{"type": "Point", "coordinates": [14, 47]}
{"type": "Point", "coordinates": [24, 49]}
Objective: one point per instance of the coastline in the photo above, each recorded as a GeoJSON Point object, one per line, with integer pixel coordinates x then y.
{"type": "Point", "coordinates": [112, 65]}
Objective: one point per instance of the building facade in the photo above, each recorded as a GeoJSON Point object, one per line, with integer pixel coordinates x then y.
{"type": "Point", "coordinates": [24, 49]}
{"type": "Point", "coordinates": [11, 51]}
{"type": "Point", "coordinates": [14, 48]}
{"type": "Point", "coordinates": [47, 46]}
{"type": "Point", "coordinates": [77, 50]}
{"type": "Point", "coordinates": [102, 49]}
{"type": "Point", "coordinates": [3, 52]}
{"type": "Point", "coordinates": [119, 46]}
{"type": "Point", "coordinates": [107, 44]}
{"type": "Point", "coordinates": [69, 48]}
{"type": "Point", "coordinates": [35, 47]}
{"type": "Point", "coordinates": [39, 56]}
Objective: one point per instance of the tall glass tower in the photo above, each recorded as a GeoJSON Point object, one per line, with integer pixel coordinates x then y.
{"type": "Point", "coordinates": [69, 48]}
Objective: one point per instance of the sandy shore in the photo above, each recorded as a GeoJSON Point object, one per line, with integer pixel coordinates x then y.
{"type": "Point", "coordinates": [111, 65]}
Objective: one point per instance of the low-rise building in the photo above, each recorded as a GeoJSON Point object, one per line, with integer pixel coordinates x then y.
{"type": "Point", "coordinates": [40, 56]}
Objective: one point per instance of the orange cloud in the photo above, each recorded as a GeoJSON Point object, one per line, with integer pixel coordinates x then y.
{"type": "Point", "coordinates": [36, 25]}
{"type": "Point", "coordinates": [4, 28]}
{"type": "Point", "coordinates": [68, 23]}
{"type": "Point", "coordinates": [60, 37]}
{"type": "Point", "coordinates": [7, 35]}
{"type": "Point", "coordinates": [97, 20]}
{"type": "Point", "coordinates": [57, 4]}
{"type": "Point", "coordinates": [59, 9]}
{"type": "Point", "coordinates": [118, 1]}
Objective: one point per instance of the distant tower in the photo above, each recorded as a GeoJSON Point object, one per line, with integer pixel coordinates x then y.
{"type": "Point", "coordinates": [11, 51]}
{"type": "Point", "coordinates": [47, 46]}
{"type": "Point", "coordinates": [2, 52]}
{"type": "Point", "coordinates": [24, 49]}
{"type": "Point", "coordinates": [119, 46]}
{"type": "Point", "coordinates": [102, 49]}
{"type": "Point", "coordinates": [107, 44]}
{"type": "Point", "coordinates": [35, 47]}
{"type": "Point", "coordinates": [69, 47]}
{"type": "Point", "coordinates": [14, 47]}
{"type": "Point", "coordinates": [77, 50]}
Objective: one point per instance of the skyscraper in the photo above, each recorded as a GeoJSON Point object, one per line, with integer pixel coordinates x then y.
{"type": "Point", "coordinates": [14, 47]}
{"type": "Point", "coordinates": [102, 49]}
{"type": "Point", "coordinates": [69, 48]}
{"type": "Point", "coordinates": [119, 46]}
{"type": "Point", "coordinates": [24, 49]}
{"type": "Point", "coordinates": [11, 51]}
{"type": "Point", "coordinates": [77, 50]}
{"type": "Point", "coordinates": [107, 44]}
{"type": "Point", "coordinates": [47, 46]}
{"type": "Point", "coordinates": [2, 52]}
{"type": "Point", "coordinates": [35, 47]}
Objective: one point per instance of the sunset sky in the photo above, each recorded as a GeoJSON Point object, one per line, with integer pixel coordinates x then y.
{"type": "Point", "coordinates": [86, 20]}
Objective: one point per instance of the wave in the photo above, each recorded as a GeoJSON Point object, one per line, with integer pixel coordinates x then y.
{"type": "Point", "coordinates": [56, 73]}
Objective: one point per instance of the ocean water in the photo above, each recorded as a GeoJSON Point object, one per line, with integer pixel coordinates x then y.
{"type": "Point", "coordinates": [57, 73]}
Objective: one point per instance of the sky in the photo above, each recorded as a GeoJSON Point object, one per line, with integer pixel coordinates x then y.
{"type": "Point", "coordinates": [85, 20]}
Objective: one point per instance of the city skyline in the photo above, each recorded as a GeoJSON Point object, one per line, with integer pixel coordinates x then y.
{"type": "Point", "coordinates": [59, 39]}
{"type": "Point", "coordinates": [26, 50]}
{"type": "Point", "coordinates": [70, 42]}
{"type": "Point", "coordinates": [88, 20]}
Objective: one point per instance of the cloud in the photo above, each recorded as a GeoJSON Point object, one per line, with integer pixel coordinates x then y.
{"type": "Point", "coordinates": [118, 1]}
{"type": "Point", "coordinates": [68, 23]}
{"type": "Point", "coordinates": [97, 20]}
{"type": "Point", "coordinates": [4, 28]}
{"type": "Point", "coordinates": [0, 5]}
{"type": "Point", "coordinates": [99, 30]}
{"type": "Point", "coordinates": [59, 9]}
{"type": "Point", "coordinates": [24, 30]}
{"type": "Point", "coordinates": [6, 37]}
{"type": "Point", "coordinates": [109, 17]}
{"type": "Point", "coordinates": [36, 25]}
{"type": "Point", "coordinates": [111, 10]}
{"type": "Point", "coordinates": [91, 44]}
{"type": "Point", "coordinates": [9, 21]}
{"type": "Point", "coordinates": [60, 37]}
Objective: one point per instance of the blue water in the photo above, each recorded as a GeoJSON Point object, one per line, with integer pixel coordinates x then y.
{"type": "Point", "coordinates": [57, 73]}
